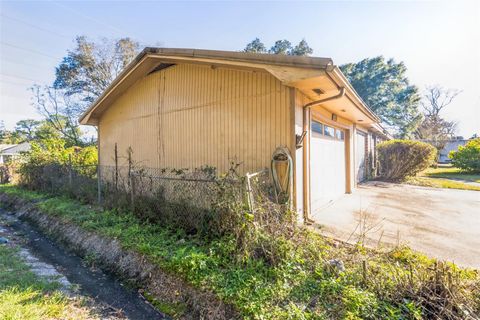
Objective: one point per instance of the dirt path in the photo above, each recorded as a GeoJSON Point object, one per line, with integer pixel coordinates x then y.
{"type": "Point", "coordinates": [104, 289]}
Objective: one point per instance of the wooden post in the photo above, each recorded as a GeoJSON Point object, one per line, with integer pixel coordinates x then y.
{"type": "Point", "coordinates": [364, 271]}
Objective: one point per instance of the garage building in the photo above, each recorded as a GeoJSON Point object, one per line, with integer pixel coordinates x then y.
{"type": "Point", "coordinates": [187, 108]}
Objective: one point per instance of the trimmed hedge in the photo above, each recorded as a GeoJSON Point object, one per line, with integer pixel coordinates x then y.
{"type": "Point", "coordinates": [467, 157]}
{"type": "Point", "coordinates": [400, 159]}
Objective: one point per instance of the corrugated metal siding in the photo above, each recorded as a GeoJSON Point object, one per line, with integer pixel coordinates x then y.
{"type": "Point", "coordinates": [187, 116]}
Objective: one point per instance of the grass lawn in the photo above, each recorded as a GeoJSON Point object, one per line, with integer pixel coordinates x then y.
{"type": "Point", "coordinates": [23, 295]}
{"type": "Point", "coordinates": [449, 172]}
{"type": "Point", "coordinates": [446, 177]}
{"type": "Point", "coordinates": [372, 284]}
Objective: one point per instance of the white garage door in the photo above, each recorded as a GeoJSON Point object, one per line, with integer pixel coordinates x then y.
{"type": "Point", "coordinates": [327, 165]}
{"type": "Point", "coordinates": [360, 156]}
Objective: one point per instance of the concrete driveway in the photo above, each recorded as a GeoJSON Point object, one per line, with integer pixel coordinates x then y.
{"type": "Point", "coordinates": [443, 223]}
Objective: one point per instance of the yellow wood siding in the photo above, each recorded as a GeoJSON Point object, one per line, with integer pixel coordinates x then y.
{"type": "Point", "coordinates": [191, 115]}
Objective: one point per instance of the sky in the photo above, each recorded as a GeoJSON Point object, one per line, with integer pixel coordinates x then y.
{"type": "Point", "coordinates": [439, 41]}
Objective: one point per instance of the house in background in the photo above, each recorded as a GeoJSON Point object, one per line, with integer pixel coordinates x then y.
{"type": "Point", "coordinates": [186, 108]}
{"type": "Point", "coordinates": [9, 152]}
{"type": "Point", "coordinates": [451, 145]}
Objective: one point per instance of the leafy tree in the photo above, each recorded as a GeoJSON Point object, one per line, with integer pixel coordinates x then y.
{"type": "Point", "coordinates": [3, 130]}
{"type": "Point", "coordinates": [280, 47]}
{"type": "Point", "coordinates": [45, 131]}
{"type": "Point", "coordinates": [87, 70]}
{"type": "Point", "coordinates": [384, 86]}
{"type": "Point", "coordinates": [56, 151]}
{"type": "Point", "coordinates": [434, 129]}
{"type": "Point", "coordinates": [60, 112]}
{"type": "Point", "coordinates": [301, 49]}
{"type": "Point", "coordinates": [9, 137]}
{"type": "Point", "coordinates": [27, 128]}
{"type": "Point", "coordinates": [256, 46]}
{"type": "Point", "coordinates": [4, 133]}
{"type": "Point", "coordinates": [81, 77]}
{"type": "Point", "coordinates": [467, 157]}
{"type": "Point", "coordinates": [55, 154]}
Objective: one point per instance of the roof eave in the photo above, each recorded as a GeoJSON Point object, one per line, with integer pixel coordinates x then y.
{"type": "Point", "coordinates": [228, 57]}
{"type": "Point", "coordinates": [85, 117]}
{"type": "Point", "coordinates": [261, 60]}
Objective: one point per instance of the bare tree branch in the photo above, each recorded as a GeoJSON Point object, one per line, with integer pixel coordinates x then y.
{"type": "Point", "coordinates": [437, 98]}
{"type": "Point", "coordinates": [434, 129]}
{"type": "Point", "coordinates": [57, 109]}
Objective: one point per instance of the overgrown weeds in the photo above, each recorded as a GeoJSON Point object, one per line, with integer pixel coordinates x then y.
{"type": "Point", "coordinates": [298, 275]}
{"type": "Point", "coordinates": [252, 254]}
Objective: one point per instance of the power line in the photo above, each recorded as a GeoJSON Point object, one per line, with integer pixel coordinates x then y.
{"type": "Point", "coordinates": [35, 26]}
{"type": "Point", "coordinates": [20, 77]}
{"type": "Point", "coordinates": [15, 83]}
{"type": "Point", "coordinates": [25, 64]}
{"type": "Point", "coordinates": [29, 50]}
{"type": "Point", "coordinates": [121, 32]}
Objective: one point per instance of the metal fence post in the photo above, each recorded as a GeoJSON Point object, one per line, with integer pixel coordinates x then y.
{"type": "Point", "coordinates": [130, 179]}
{"type": "Point", "coordinates": [70, 171]}
{"type": "Point", "coordinates": [116, 167]}
{"type": "Point", "coordinates": [99, 185]}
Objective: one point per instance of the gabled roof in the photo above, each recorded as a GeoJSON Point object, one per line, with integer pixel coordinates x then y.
{"type": "Point", "coordinates": [11, 149]}
{"type": "Point", "coordinates": [303, 73]}
{"type": "Point", "coordinates": [6, 146]}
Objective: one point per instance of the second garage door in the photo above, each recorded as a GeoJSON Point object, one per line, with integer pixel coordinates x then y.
{"type": "Point", "coordinates": [327, 165]}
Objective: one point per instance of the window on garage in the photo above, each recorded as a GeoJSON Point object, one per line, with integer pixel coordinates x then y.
{"type": "Point", "coordinates": [317, 127]}
{"type": "Point", "coordinates": [339, 134]}
{"type": "Point", "coordinates": [329, 131]}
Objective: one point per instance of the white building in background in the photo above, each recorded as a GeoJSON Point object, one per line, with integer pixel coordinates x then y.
{"type": "Point", "coordinates": [452, 145]}
{"type": "Point", "coordinates": [9, 152]}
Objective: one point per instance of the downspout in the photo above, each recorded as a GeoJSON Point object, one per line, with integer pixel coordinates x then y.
{"type": "Point", "coordinates": [306, 151]}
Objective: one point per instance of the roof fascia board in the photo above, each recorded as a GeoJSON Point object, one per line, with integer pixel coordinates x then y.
{"type": "Point", "coordinates": [255, 58]}
{"type": "Point", "coordinates": [84, 118]}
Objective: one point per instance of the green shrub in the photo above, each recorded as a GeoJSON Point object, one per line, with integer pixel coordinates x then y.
{"type": "Point", "coordinates": [53, 167]}
{"type": "Point", "coordinates": [399, 159]}
{"type": "Point", "coordinates": [285, 277]}
{"type": "Point", "coordinates": [467, 157]}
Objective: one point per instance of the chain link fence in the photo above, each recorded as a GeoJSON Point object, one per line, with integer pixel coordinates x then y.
{"type": "Point", "coordinates": [198, 186]}
{"type": "Point", "coordinates": [182, 197]}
